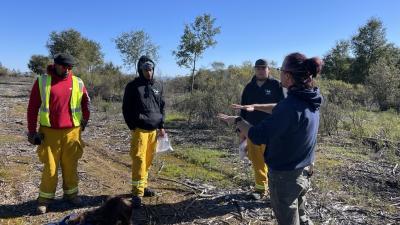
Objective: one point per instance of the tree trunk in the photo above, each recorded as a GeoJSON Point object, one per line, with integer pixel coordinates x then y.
{"type": "Point", "coordinates": [192, 87]}
{"type": "Point", "coordinates": [193, 70]}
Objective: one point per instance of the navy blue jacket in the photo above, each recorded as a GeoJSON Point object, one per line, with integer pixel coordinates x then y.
{"type": "Point", "coordinates": [291, 131]}
{"type": "Point", "coordinates": [270, 92]}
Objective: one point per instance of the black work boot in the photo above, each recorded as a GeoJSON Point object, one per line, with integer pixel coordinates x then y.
{"type": "Point", "coordinates": [149, 192]}
{"type": "Point", "coordinates": [74, 200]}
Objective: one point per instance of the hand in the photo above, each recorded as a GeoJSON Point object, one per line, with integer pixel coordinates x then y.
{"type": "Point", "coordinates": [226, 118]}
{"type": "Point", "coordinates": [242, 137]}
{"type": "Point", "coordinates": [35, 138]}
{"type": "Point", "coordinates": [161, 132]}
{"type": "Point", "coordinates": [83, 124]}
{"type": "Point", "coordinates": [248, 108]}
{"type": "Point", "coordinates": [31, 137]}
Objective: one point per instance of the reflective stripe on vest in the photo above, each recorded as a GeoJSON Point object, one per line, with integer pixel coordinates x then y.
{"type": "Point", "coordinates": [76, 98]}
{"type": "Point", "coordinates": [44, 82]}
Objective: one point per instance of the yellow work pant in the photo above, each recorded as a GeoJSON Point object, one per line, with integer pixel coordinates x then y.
{"type": "Point", "coordinates": [255, 153]}
{"type": "Point", "coordinates": [143, 147]}
{"type": "Point", "coordinates": [60, 147]}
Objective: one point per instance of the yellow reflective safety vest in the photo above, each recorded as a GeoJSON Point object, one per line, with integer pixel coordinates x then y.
{"type": "Point", "coordinates": [44, 82]}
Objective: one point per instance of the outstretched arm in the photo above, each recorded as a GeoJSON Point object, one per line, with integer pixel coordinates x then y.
{"type": "Point", "coordinates": [259, 107]}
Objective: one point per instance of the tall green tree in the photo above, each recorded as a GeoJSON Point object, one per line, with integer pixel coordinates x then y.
{"type": "Point", "coordinates": [368, 45]}
{"type": "Point", "coordinates": [393, 54]}
{"type": "Point", "coordinates": [196, 38]}
{"type": "Point", "coordinates": [134, 44]}
{"type": "Point", "coordinates": [91, 56]}
{"type": "Point", "coordinates": [384, 84]}
{"type": "Point", "coordinates": [38, 63]}
{"type": "Point", "coordinates": [337, 62]}
{"type": "Point", "coordinates": [87, 52]}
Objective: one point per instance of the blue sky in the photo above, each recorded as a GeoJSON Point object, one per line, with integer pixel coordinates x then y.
{"type": "Point", "coordinates": [249, 29]}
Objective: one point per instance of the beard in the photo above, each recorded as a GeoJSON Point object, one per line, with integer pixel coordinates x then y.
{"type": "Point", "coordinates": [61, 73]}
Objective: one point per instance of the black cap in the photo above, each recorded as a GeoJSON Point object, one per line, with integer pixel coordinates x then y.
{"type": "Point", "coordinates": [261, 63]}
{"type": "Point", "coordinates": [64, 59]}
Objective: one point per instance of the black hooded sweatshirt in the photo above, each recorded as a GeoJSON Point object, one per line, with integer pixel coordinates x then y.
{"type": "Point", "coordinates": [143, 103]}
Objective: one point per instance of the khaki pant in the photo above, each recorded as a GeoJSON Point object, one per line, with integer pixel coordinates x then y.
{"type": "Point", "coordinates": [143, 146]}
{"type": "Point", "coordinates": [288, 196]}
{"type": "Point", "coordinates": [255, 153]}
{"type": "Point", "coordinates": [60, 148]}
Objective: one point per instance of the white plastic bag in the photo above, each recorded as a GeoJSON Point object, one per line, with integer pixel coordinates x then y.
{"type": "Point", "coordinates": [243, 150]}
{"type": "Point", "coordinates": [163, 144]}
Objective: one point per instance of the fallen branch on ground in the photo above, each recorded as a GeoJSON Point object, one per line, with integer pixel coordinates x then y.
{"type": "Point", "coordinates": [178, 182]}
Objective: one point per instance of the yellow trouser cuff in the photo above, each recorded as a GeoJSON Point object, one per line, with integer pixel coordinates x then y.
{"type": "Point", "coordinates": [71, 191]}
{"type": "Point", "coordinates": [260, 187]}
{"type": "Point", "coordinates": [137, 183]}
{"type": "Point", "coordinates": [46, 195]}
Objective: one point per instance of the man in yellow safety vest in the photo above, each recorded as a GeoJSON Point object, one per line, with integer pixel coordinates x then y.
{"type": "Point", "coordinates": [62, 103]}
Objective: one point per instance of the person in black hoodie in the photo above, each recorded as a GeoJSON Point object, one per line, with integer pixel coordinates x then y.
{"type": "Point", "coordinates": [291, 136]}
{"type": "Point", "coordinates": [143, 110]}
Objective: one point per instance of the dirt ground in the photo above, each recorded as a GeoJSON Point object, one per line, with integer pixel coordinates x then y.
{"type": "Point", "coordinates": [348, 188]}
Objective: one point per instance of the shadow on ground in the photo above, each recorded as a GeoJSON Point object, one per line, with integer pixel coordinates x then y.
{"type": "Point", "coordinates": [58, 205]}
{"type": "Point", "coordinates": [194, 209]}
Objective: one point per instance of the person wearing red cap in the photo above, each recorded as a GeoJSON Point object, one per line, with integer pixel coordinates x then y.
{"type": "Point", "coordinates": [62, 103]}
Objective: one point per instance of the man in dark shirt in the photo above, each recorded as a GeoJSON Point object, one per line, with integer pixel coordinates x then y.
{"type": "Point", "coordinates": [143, 110]}
{"type": "Point", "coordinates": [262, 89]}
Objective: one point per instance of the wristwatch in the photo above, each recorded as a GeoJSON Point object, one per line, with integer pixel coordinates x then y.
{"type": "Point", "coordinates": [237, 119]}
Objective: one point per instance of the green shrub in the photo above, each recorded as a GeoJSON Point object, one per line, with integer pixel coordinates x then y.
{"type": "Point", "coordinates": [344, 94]}
{"type": "Point", "coordinates": [330, 119]}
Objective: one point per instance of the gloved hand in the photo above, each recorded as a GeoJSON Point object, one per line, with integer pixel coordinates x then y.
{"type": "Point", "coordinates": [83, 124]}
{"type": "Point", "coordinates": [35, 138]}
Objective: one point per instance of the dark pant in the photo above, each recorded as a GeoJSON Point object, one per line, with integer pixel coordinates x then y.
{"type": "Point", "coordinates": [287, 191]}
